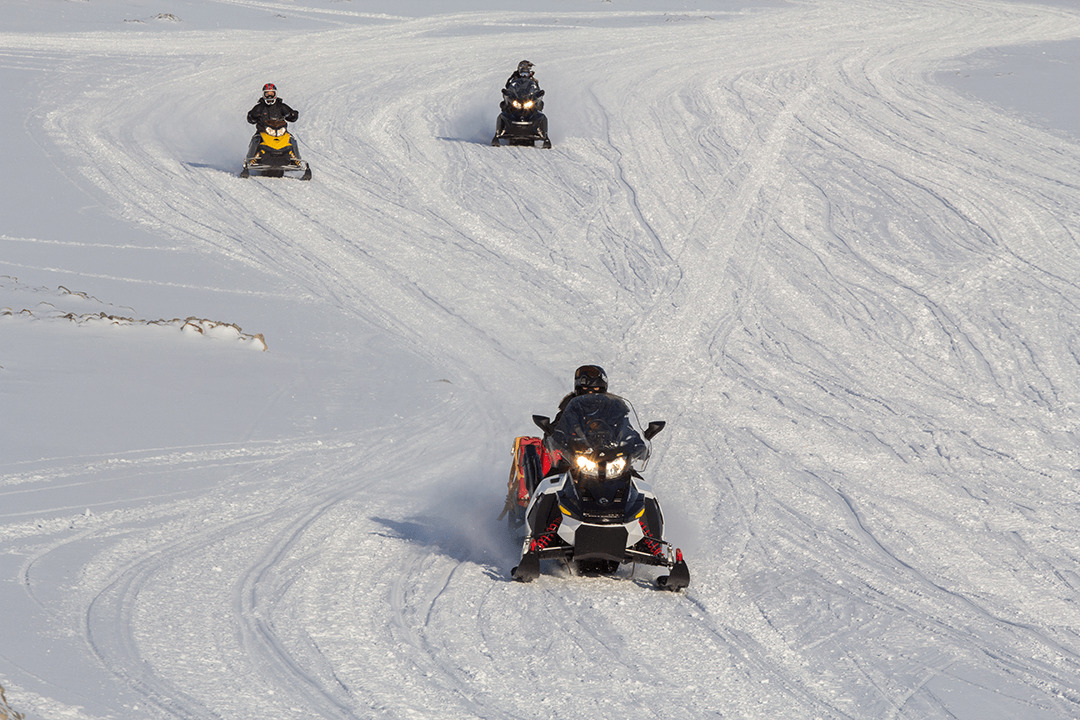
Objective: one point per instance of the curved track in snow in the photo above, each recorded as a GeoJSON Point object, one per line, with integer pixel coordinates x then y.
{"type": "Point", "coordinates": [851, 293]}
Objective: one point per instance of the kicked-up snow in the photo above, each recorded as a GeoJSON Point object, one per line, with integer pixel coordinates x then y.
{"type": "Point", "coordinates": [849, 288]}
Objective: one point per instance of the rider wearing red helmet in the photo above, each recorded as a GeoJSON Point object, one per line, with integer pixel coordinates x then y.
{"type": "Point", "coordinates": [270, 107]}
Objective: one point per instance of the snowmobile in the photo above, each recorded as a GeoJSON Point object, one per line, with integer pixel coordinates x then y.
{"type": "Point", "coordinates": [592, 509]}
{"type": "Point", "coordinates": [273, 153]}
{"type": "Point", "coordinates": [521, 122]}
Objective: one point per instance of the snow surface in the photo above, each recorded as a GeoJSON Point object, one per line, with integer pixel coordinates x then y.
{"type": "Point", "coordinates": [254, 434]}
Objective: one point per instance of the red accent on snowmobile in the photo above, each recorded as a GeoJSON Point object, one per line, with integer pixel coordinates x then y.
{"type": "Point", "coordinates": [654, 546]}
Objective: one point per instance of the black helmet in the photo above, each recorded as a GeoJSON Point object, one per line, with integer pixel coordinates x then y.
{"type": "Point", "coordinates": [524, 68]}
{"type": "Point", "coordinates": [590, 378]}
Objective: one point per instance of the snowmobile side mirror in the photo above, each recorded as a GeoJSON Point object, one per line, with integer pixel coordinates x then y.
{"type": "Point", "coordinates": [654, 428]}
{"type": "Point", "coordinates": [542, 422]}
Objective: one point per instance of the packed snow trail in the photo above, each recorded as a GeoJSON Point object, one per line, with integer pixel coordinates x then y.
{"type": "Point", "coordinates": [849, 292]}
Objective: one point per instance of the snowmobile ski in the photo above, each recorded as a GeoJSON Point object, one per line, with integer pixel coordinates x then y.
{"type": "Point", "coordinates": [679, 576]}
{"type": "Point", "coordinates": [528, 569]}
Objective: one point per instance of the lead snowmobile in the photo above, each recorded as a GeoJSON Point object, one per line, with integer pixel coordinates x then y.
{"type": "Point", "coordinates": [521, 122]}
{"type": "Point", "coordinates": [273, 153]}
{"type": "Point", "coordinates": [592, 510]}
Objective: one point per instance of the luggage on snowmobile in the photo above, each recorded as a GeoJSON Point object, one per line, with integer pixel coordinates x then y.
{"type": "Point", "coordinates": [273, 153]}
{"type": "Point", "coordinates": [594, 510]}
{"type": "Point", "coordinates": [532, 462]}
{"type": "Point", "coordinates": [521, 122]}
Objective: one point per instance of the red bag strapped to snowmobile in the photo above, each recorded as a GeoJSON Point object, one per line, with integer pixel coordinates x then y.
{"type": "Point", "coordinates": [532, 462]}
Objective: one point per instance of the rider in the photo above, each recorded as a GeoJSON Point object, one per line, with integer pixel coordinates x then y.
{"type": "Point", "coordinates": [270, 107]}
{"type": "Point", "coordinates": [524, 75]}
{"type": "Point", "coordinates": [587, 379]}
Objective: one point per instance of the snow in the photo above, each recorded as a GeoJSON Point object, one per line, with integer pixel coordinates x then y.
{"type": "Point", "coordinates": [255, 433]}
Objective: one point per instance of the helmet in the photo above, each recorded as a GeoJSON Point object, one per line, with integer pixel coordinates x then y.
{"type": "Point", "coordinates": [524, 68]}
{"type": "Point", "coordinates": [590, 378]}
{"type": "Point", "coordinates": [269, 91]}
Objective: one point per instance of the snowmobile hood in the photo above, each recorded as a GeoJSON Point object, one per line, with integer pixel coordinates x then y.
{"type": "Point", "coordinates": [277, 142]}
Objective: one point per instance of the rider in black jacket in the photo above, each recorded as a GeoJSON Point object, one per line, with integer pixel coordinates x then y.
{"type": "Point", "coordinates": [587, 379]}
{"type": "Point", "coordinates": [524, 72]}
{"type": "Point", "coordinates": [270, 107]}
{"type": "Point", "coordinates": [524, 76]}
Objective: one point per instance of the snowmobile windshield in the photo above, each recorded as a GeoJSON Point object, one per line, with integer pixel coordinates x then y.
{"type": "Point", "coordinates": [522, 89]}
{"type": "Point", "coordinates": [599, 427]}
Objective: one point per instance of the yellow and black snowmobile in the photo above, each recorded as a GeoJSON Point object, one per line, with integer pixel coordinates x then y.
{"type": "Point", "coordinates": [273, 153]}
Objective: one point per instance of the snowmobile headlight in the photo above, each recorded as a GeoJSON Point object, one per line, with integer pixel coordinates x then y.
{"type": "Point", "coordinates": [616, 467]}
{"type": "Point", "coordinates": [528, 104]}
{"type": "Point", "coordinates": [517, 104]}
{"type": "Point", "coordinates": [588, 467]}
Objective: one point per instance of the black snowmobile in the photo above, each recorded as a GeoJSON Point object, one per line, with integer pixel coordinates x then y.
{"type": "Point", "coordinates": [273, 153]}
{"type": "Point", "coordinates": [593, 510]}
{"type": "Point", "coordinates": [521, 122]}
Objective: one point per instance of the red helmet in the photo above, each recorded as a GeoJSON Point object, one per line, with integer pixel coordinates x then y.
{"type": "Point", "coordinates": [269, 87]}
